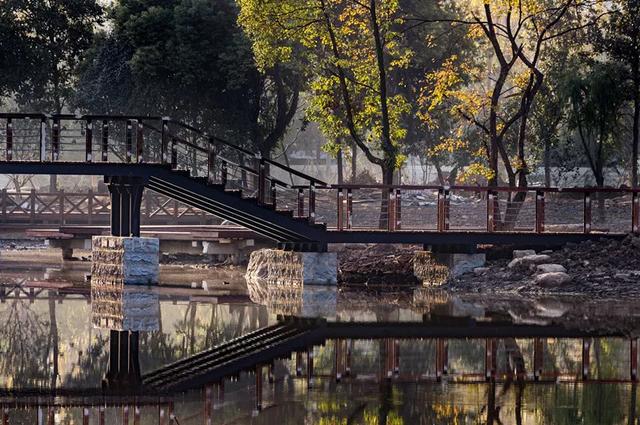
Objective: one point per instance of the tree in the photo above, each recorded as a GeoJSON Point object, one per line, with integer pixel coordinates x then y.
{"type": "Point", "coordinates": [515, 34]}
{"type": "Point", "coordinates": [188, 60]}
{"type": "Point", "coordinates": [619, 38]}
{"type": "Point", "coordinates": [596, 97]}
{"type": "Point", "coordinates": [351, 52]}
{"type": "Point", "coordinates": [15, 58]}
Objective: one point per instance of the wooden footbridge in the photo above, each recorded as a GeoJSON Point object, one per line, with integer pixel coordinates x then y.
{"type": "Point", "coordinates": [301, 212]}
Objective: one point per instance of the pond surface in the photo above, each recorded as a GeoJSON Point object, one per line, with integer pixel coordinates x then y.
{"type": "Point", "coordinates": [333, 358]}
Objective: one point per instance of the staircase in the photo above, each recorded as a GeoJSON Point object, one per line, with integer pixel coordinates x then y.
{"type": "Point", "coordinates": [233, 357]}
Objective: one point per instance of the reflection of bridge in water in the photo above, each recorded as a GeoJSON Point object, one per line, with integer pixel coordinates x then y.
{"type": "Point", "coordinates": [301, 212]}
{"type": "Point", "coordinates": [462, 351]}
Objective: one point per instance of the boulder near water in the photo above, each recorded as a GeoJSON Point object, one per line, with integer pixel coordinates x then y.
{"type": "Point", "coordinates": [550, 268]}
{"type": "Point", "coordinates": [528, 260]}
{"type": "Point", "coordinates": [552, 279]}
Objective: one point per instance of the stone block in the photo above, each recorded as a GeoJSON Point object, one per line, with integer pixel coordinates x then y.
{"type": "Point", "coordinates": [132, 260]}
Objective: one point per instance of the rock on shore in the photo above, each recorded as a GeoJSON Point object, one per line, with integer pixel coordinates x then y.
{"type": "Point", "coordinates": [604, 268]}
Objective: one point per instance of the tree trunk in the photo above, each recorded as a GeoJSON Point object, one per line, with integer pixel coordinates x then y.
{"type": "Point", "coordinates": [53, 324]}
{"type": "Point", "coordinates": [387, 179]}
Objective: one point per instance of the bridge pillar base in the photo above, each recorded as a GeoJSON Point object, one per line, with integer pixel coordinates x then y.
{"type": "Point", "coordinates": [275, 266]}
{"type": "Point", "coordinates": [130, 260]}
{"type": "Point", "coordinates": [434, 269]}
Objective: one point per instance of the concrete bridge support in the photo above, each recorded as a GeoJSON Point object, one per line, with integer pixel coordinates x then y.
{"type": "Point", "coordinates": [124, 256]}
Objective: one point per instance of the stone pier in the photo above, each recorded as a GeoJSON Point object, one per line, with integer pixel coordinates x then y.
{"type": "Point", "coordinates": [274, 266]}
{"type": "Point", "coordinates": [130, 260]}
{"type": "Point", "coordinates": [434, 269]}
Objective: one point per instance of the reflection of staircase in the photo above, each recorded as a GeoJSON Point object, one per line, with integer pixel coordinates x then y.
{"type": "Point", "coordinates": [231, 358]}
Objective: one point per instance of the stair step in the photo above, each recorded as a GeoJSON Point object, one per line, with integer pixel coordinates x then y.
{"type": "Point", "coordinates": [287, 213]}
{"type": "Point", "coordinates": [186, 173]}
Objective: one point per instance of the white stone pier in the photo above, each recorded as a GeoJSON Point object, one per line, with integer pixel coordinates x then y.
{"type": "Point", "coordinates": [129, 260]}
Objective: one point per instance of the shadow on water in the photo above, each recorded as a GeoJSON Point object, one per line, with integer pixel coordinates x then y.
{"type": "Point", "coordinates": [291, 355]}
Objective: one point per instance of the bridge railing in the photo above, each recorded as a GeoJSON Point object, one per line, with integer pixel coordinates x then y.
{"type": "Point", "coordinates": [483, 209]}
{"type": "Point", "coordinates": [88, 208]}
{"type": "Point", "coordinates": [160, 140]}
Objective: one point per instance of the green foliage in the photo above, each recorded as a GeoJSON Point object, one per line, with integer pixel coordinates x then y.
{"type": "Point", "coordinates": [52, 35]}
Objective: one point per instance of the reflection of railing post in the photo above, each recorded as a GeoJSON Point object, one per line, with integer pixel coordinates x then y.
{"type": "Point", "coordinates": [340, 206]}
{"type": "Point", "coordinates": [491, 211]}
{"type": "Point", "coordinates": [586, 361]}
{"type": "Point", "coordinates": [635, 213]}
{"type": "Point", "coordinates": [587, 212]}
{"type": "Point", "coordinates": [208, 404]}
{"type": "Point", "coordinates": [538, 358]}
{"type": "Point", "coordinates": [300, 202]}
{"type": "Point", "coordinates": [442, 348]}
{"type": "Point", "coordinates": [310, 367]}
{"type": "Point", "coordinates": [89, 140]}
{"type": "Point", "coordinates": [105, 141]}
{"type": "Point", "coordinates": [259, 388]}
{"type": "Point", "coordinates": [312, 202]}
{"type": "Point", "coordinates": [9, 146]}
{"type": "Point", "coordinates": [633, 361]}
{"type": "Point", "coordinates": [298, 363]}
{"type": "Point", "coordinates": [349, 209]}
{"type": "Point", "coordinates": [128, 141]}
{"type": "Point", "coordinates": [539, 211]}
{"type": "Point", "coordinates": [55, 140]}
{"type": "Point", "coordinates": [490, 359]}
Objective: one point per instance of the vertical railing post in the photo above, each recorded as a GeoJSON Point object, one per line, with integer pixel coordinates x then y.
{"type": "Point", "coordinates": [538, 358]}
{"type": "Point", "coordinates": [164, 141]}
{"type": "Point", "coordinates": [586, 361]}
{"type": "Point", "coordinates": [340, 212]}
{"type": "Point", "coordinates": [398, 210]}
{"type": "Point", "coordinates": [274, 194]}
{"type": "Point", "coordinates": [9, 147]}
{"type": "Point", "coordinates": [310, 367]}
{"type": "Point", "coordinates": [300, 202]}
{"type": "Point", "coordinates": [391, 210]}
{"type": "Point", "coordinates": [129, 141]}
{"type": "Point", "coordinates": [211, 162]}
{"type": "Point", "coordinates": [43, 139]}
{"type": "Point", "coordinates": [88, 140]}
{"type": "Point", "coordinates": [55, 140]}
{"type": "Point", "coordinates": [443, 209]}
{"type": "Point", "coordinates": [262, 179]}
{"type": "Point", "coordinates": [442, 347]}
{"type": "Point", "coordinates": [539, 211]}
{"type": "Point", "coordinates": [32, 209]}
{"type": "Point", "coordinates": [298, 363]}
{"type": "Point", "coordinates": [349, 216]}
{"type": "Point", "coordinates": [223, 174]}
{"type": "Point", "coordinates": [312, 202]}
{"type": "Point", "coordinates": [635, 212]}
{"type": "Point", "coordinates": [174, 154]}
{"type": "Point", "coordinates": [61, 206]}
{"type": "Point", "coordinates": [105, 141]}
{"type": "Point", "coordinates": [140, 143]}
{"type": "Point", "coordinates": [5, 199]}
{"type": "Point", "coordinates": [587, 212]}
{"type": "Point", "coordinates": [338, 359]}
{"type": "Point", "coordinates": [491, 211]}
{"type": "Point", "coordinates": [90, 206]}
{"type": "Point", "coordinates": [633, 360]}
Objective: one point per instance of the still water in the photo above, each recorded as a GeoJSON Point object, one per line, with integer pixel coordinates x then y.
{"type": "Point", "coordinates": [421, 358]}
